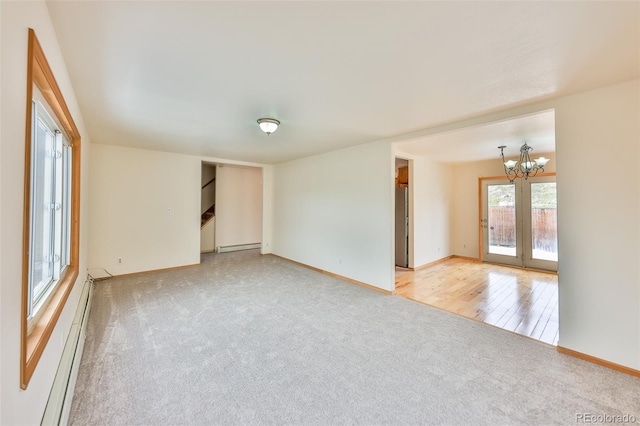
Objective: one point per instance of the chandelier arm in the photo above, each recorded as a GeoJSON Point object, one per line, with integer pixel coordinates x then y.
{"type": "Point", "coordinates": [508, 172]}
{"type": "Point", "coordinates": [537, 169]}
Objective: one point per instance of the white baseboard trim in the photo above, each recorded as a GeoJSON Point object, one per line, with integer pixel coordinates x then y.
{"type": "Point", "coordinates": [224, 249]}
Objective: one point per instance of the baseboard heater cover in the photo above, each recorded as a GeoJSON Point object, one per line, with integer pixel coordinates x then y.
{"type": "Point", "coordinates": [224, 249]}
{"type": "Point", "coordinates": [59, 404]}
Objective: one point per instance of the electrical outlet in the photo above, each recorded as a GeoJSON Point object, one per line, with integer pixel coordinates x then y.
{"type": "Point", "coordinates": [120, 262]}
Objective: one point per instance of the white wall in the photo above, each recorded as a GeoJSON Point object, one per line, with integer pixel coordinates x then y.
{"type": "Point", "coordinates": [599, 232]}
{"type": "Point", "coordinates": [238, 205]}
{"type": "Point", "coordinates": [334, 211]}
{"type": "Point", "coordinates": [144, 209]}
{"type": "Point", "coordinates": [465, 217]}
{"type": "Point", "coordinates": [17, 406]}
{"type": "Point", "coordinates": [431, 189]}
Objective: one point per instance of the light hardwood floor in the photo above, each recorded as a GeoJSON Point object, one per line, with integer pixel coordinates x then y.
{"type": "Point", "coordinates": [518, 300]}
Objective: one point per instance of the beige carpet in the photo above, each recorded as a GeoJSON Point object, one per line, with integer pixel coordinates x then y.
{"type": "Point", "coordinates": [249, 339]}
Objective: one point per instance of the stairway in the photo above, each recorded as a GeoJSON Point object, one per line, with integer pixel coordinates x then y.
{"type": "Point", "coordinates": [206, 216]}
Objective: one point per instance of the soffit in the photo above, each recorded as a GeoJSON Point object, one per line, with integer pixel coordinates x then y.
{"type": "Point", "coordinates": [482, 142]}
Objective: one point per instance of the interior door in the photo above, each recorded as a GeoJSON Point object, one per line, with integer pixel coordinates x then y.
{"type": "Point", "coordinates": [519, 222]}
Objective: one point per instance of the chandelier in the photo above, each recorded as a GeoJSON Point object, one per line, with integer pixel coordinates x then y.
{"type": "Point", "coordinates": [525, 167]}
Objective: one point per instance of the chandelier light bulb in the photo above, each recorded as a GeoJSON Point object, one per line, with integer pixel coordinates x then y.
{"type": "Point", "coordinates": [510, 164]}
{"type": "Point", "coordinates": [541, 161]}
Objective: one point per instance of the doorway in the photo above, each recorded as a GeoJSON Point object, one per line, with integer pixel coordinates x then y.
{"type": "Point", "coordinates": [207, 207]}
{"type": "Point", "coordinates": [519, 222]}
{"type": "Point", "coordinates": [402, 213]}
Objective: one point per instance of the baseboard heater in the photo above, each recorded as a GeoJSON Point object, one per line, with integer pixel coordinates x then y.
{"type": "Point", "coordinates": [59, 404]}
{"type": "Point", "coordinates": [224, 249]}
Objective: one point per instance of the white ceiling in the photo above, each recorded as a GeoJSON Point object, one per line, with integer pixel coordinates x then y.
{"type": "Point", "coordinates": [193, 77]}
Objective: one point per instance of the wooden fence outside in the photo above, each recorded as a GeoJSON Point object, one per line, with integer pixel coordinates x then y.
{"type": "Point", "coordinates": [544, 225]}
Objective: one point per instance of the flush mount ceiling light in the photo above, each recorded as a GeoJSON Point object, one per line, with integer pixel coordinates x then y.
{"type": "Point", "coordinates": [268, 125]}
{"type": "Point", "coordinates": [525, 167]}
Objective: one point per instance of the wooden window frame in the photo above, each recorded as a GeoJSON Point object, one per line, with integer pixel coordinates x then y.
{"type": "Point", "coordinates": [33, 342]}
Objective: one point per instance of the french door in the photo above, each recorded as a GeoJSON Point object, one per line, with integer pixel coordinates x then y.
{"type": "Point", "coordinates": [519, 222]}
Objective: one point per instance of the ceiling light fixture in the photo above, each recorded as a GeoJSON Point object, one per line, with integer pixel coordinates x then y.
{"type": "Point", "coordinates": [268, 125]}
{"type": "Point", "coordinates": [523, 168]}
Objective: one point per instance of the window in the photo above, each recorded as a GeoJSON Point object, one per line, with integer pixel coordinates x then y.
{"type": "Point", "coordinates": [49, 206]}
{"type": "Point", "coordinates": [51, 209]}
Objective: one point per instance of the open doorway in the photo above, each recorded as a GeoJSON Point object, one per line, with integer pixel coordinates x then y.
{"type": "Point", "coordinates": [402, 235]}
{"type": "Point", "coordinates": [207, 207]}
{"type": "Point", "coordinates": [230, 207]}
{"type": "Point", "coordinates": [460, 278]}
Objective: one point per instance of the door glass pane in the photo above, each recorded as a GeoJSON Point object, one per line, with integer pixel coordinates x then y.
{"type": "Point", "coordinates": [544, 221]}
{"type": "Point", "coordinates": [502, 219]}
